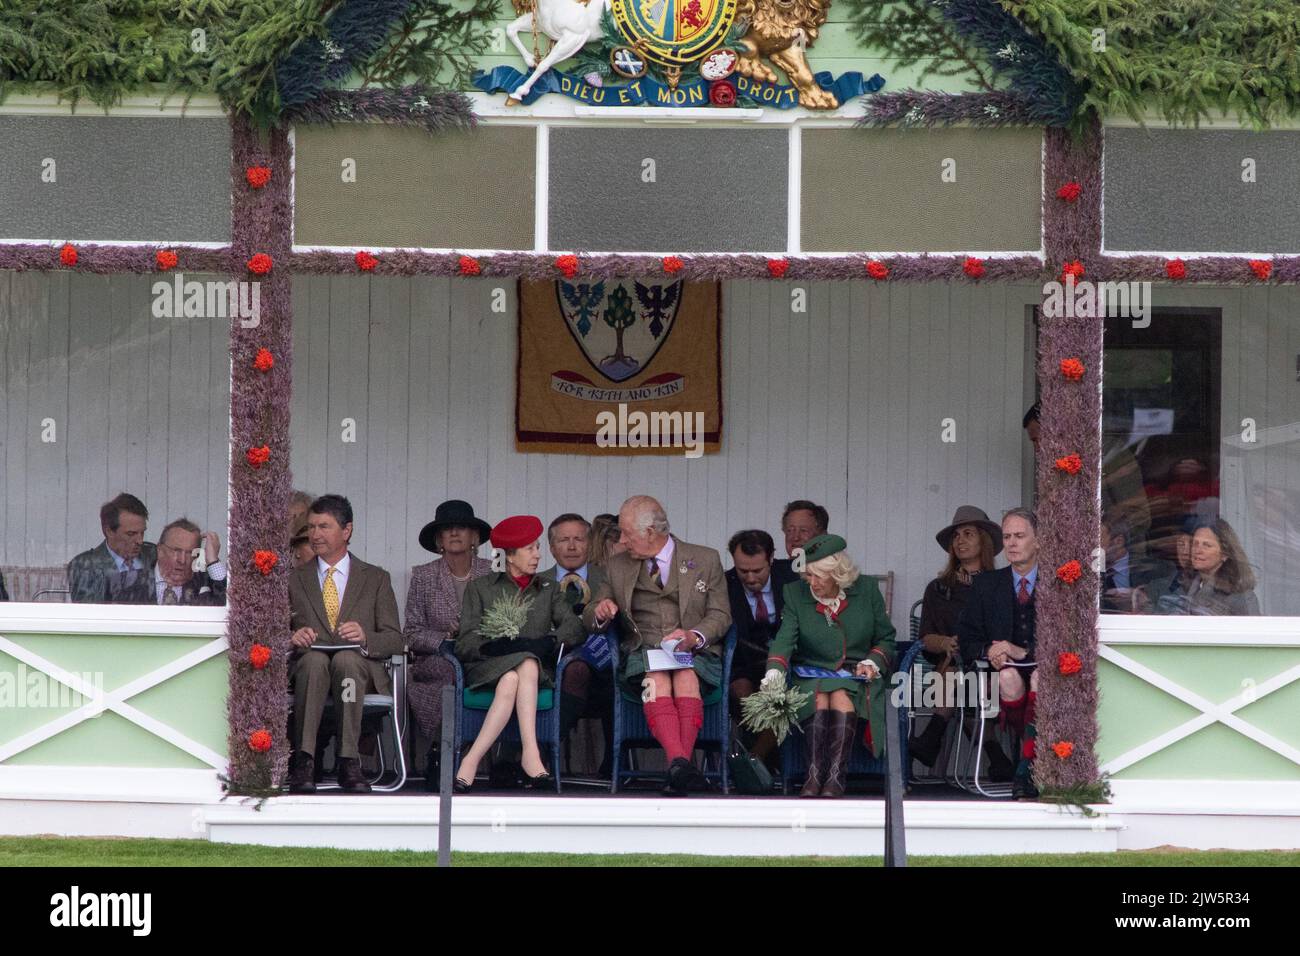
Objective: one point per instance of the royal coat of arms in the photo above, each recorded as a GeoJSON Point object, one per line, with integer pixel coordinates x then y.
{"type": "Point", "coordinates": [674, 33]}
{"type": "Point", "coordinates": [672, 53]}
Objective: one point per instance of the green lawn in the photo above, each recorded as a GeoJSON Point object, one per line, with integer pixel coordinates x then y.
{"type": "Point", "coordinates": [60, 851]}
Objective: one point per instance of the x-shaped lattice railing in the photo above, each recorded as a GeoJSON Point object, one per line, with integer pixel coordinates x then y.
{"type": "Point", "coordinates": [97, 701]}
{"type": "Point", "coordinates": [1210, 712]}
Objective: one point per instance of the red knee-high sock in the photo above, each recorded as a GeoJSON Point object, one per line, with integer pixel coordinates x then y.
{"type": "Point", "coordinates": [1031, 706]}
{"type": "Point", "coordinates": [690, 713]}
{"type": "Point", "coordinates": [661, 715]}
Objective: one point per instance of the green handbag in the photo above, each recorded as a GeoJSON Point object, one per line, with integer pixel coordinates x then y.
{"type": "Point", "coordinates": [748, 773]}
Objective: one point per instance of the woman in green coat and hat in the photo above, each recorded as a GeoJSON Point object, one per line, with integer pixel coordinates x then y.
{"type": "Point", "coordinates": [511, 626]}
{"type": "Point", "coordinates": [834, 620]}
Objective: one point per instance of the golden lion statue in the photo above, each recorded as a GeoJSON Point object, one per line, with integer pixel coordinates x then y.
{"type": "Point", "coordinates": [780, 30]}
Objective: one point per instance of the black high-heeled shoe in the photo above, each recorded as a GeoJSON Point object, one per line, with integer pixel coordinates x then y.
{"type": "Point", "coordinates": [541, 780]}
{"type": "Point", "coordinates": [460, 786]}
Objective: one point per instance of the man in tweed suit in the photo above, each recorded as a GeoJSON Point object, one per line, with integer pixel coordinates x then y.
{"type": "Point", "coordinates": [663, 589]}
{"type": "Point", "coordinates": [337, 601]}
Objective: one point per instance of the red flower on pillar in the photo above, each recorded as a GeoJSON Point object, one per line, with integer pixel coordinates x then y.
{"type": "Point", "coordinates": [1176, 269]}
{"type": "Point", "coordinates": [1063, 749]}
{"type": "Point", "coordinates": [1070, 572]}
{"type": "Point", "coordinates": [166, 259]}
{"type": "Point", "coordinates": [265, 561]}
{"type": "Point", "coordinates": [877, 270]}
{"type": "Point", "coordinates": [260, 264]}
{"type": "Point", "coordinates": [1261, 267]}
{"type": "Point", "coordinates": [568, 264]}
{"type": "Point", "coordinates": [468, 266]}
{"type": "Point", "coordinates": [1072, 369]}
{"type": "Point", "coordinates": [777, 268]}
{"type": "Point", "coordinates": [258, 176]}
{"type": "Point", "coordinates": [365, 261]}
{"type": "Point", "coordinates": [264, 361]}
{"type": "Point", "coordinates": [260, 741]}
{"type": "Point", "coordinates": [973, 267]}
{"type": "Point", "coordinates": [257, 457]}
{"type": "Point", "coordinates": [1070, 464]}
{"type": "Point", "coordinates": [1069, 192]}
{"type": "Point", "coordinates": [1069, 663]}
{"type": "Point", "coordinates": [1074, 268]}
{"type": "Point", "coordinates": [259, 655]}
{"type": "Point", "coordinates": [68, 254]}
{"type": "Point", "coordinates": [673, 264]}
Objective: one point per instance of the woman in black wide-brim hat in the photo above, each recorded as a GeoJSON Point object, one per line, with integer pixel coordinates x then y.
{"type": "Point", "coordinates": [971, 542]}
{"type": "Point", "coordinates": [433, 613]}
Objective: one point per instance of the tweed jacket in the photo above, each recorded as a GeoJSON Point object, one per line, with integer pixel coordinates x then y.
{"type": "Point", "coordinates": [432, 606]}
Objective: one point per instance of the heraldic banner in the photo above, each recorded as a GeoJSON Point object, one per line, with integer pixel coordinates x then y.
{"type": "Point", "coordinates": [619, 367]}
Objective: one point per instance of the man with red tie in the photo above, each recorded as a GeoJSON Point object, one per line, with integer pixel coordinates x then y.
{"type": "Point", "coordinates": [997, 625]}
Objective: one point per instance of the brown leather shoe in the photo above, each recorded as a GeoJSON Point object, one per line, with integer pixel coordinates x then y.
{"type": "Point", "coordinates": [351, 779]}
{"type": "Point", "coordinates": [842, 728]}
{"type": "Point", "coordinates": [816, 731]}
{"type": "Point", "coordinates": [302, 772]}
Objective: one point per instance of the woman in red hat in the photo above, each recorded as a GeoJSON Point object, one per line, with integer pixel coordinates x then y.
{"type": "Point", "coordinates": [516, 665]}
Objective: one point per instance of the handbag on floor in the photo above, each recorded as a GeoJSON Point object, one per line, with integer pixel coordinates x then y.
{"type": "Point", "coordinates": [748, 773]}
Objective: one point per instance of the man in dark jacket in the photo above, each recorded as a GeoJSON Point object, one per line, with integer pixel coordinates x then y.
{"type": "Point", "coordinates": [754, 590]}
{"type": "Point", "coordinates": [174, 580]}
{"type": "Point", "coordinates": [121, 562]}
{"type": "Point", "coordinates": [997, 625]}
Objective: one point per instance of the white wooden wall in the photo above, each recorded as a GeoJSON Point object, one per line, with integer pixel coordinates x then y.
{"type": "Point", "coordinates": [139, 404]}
{"type": "Point", "coordinates": [843, 405]}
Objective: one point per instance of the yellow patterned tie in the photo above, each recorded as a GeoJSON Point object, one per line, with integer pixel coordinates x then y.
{"type": "Point", "coordinates": [331, 594]}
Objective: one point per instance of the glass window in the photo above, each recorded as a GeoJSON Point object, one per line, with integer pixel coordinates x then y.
{"type": "Point", "coordinates": [1200, 465]}
{"type": "Point", "coordinates": [114, 451]}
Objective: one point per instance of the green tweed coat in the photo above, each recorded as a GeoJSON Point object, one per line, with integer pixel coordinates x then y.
{"type": "Point", "coordinates": [862, 632]}
{"type": "Point", "coordinates": [549, 614]}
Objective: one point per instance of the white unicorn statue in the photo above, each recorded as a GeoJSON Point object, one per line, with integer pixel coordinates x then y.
{"type": "Point", "coordinates": [570, 23]}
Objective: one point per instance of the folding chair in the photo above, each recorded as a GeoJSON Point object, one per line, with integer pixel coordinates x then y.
{"type": "Point", "coordinates": [631, 732]}
{"type": "Point", "coordinates": [972, 726]}
{"type": "Point", "coordinates": [472, 707]}
{"type": "Point", "coordinates": [794, 760]}
{"type": "Point", "coordinates": [378, 707]}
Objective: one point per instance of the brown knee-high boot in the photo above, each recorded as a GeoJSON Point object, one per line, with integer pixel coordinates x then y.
{"type": "Point", "coordinates": [816, 735]}
{"type": "Point", "coordinates": [842, 728]}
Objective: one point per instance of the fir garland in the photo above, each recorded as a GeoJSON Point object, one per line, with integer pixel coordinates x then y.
{"type": "Point", "coordinates": [433, 44]}
{"type": "Point", "coordinates": [1185, 60]}
{"type": "Point", "coordinates": [355, 32]}
{"type": "Point", "coordinates": [1020, 78]}
{"type": "Point", "coordinates": [260, 57]}
{"type": "Point", "coordinates": [416, 106]}
{"type": "Point", "coordinates": [100, 51]}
